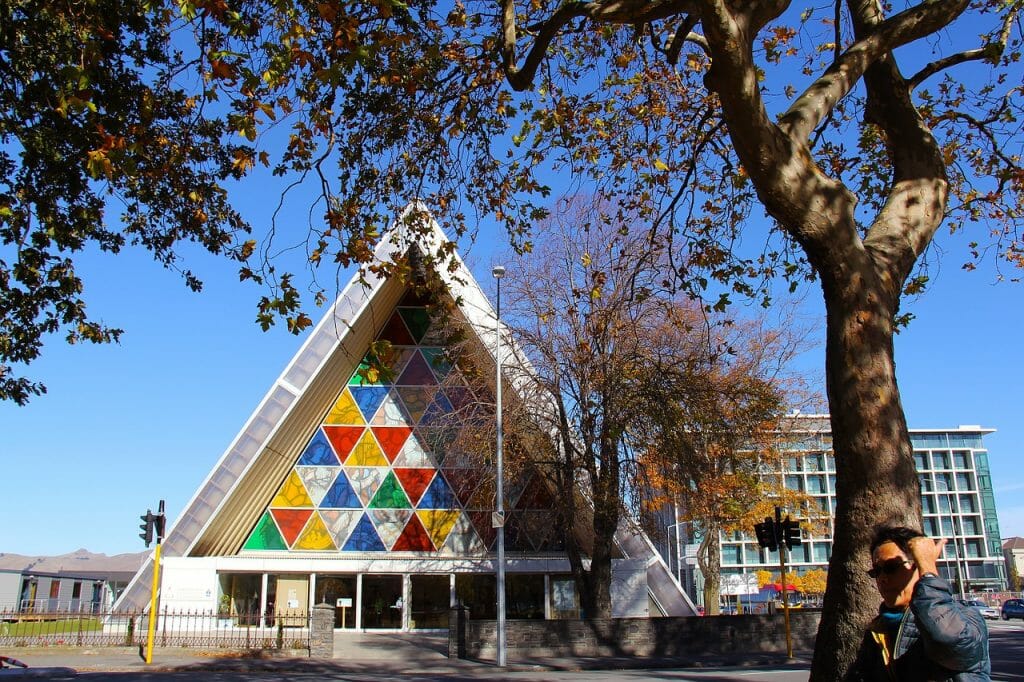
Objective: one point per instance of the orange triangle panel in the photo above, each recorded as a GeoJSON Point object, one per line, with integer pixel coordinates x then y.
{"type": "Point", "coordinates": [415, 481]}
{"type": "Point", "coordinates": [391, 439]}
{"type": "Point", "coordinates": [291, 522]}
{"type": "Point", "coordinates": [414, 538]}
{"type": "Point", "coordinates": [343, 439]}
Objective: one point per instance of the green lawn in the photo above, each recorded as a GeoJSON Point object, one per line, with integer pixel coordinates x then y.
{"type": "Point", "coordinates": [36, 628]}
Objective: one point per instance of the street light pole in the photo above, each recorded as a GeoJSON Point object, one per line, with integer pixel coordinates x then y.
{"type": "Point", "coordinates": [499, 271]}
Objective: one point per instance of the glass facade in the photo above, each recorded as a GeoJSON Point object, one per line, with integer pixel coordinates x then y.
{"type": "Point", "coordinates": [956, 499]}
{"type": "Point", "coordinates": [384, 471]}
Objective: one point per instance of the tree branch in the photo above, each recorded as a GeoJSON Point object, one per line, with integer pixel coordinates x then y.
{"type": "Point", "coordinates": [822, 96]}
{"type": "Point", "coordinates": [601, 11]}
{"type": "Point", "coordinates": [992, 52]}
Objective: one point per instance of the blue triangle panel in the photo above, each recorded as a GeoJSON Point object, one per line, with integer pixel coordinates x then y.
{"type": "Point", "coordinates": [439, 408]}
{"type": "Point", "coordinates": [319, 452]}
{"type": "Point", "coordinates": [369, 398]}
{"type": "Point", "coordinates": [341, 495]}
{"type": "Point", "coordinates": [364, 538]}
{"type": "Point", "coordinates": [438, 496]}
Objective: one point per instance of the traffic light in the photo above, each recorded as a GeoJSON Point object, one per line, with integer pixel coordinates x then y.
{"type": "Point", "coordinates": [148, 521]}
{"type": "Point", "coordinates": [791, 532]}
{"type": "Point", "coordinates": [767, 534]}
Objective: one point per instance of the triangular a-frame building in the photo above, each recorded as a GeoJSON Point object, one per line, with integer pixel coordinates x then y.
{"type": "Point", "coordinates": [343, 488]}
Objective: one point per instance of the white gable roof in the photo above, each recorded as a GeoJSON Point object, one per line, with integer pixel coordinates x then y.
{"type": "Point", "coordinates": [228, 503]}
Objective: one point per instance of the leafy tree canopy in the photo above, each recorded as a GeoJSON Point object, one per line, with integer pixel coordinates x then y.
{"type": "Point", "coordinates": [859, 126]}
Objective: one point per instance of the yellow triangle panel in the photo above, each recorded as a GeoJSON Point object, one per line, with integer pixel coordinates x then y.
{"type": "Point", "coordinates": [367, 453]}
{"type": "Point", "coordinates": [315, 536]}
{"type": "Point", "coordinates": [438, 523]}
{"type": "Point", "coordinates": [345, 411]}
{"type": "Point", "coordinates": [293, 493]}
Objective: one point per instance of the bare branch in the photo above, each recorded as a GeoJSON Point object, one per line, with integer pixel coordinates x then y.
{"type": "Point", "coordinates": [991, 52]}
{"type": "Point", "coordinates": [821, 97]}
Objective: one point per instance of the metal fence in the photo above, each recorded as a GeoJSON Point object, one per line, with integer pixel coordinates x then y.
{"type": "Point", "coordinates": [196, 629]}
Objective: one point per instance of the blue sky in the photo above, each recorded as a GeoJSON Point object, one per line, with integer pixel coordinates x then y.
{"type": "Point", "coordinates": [126, 425]}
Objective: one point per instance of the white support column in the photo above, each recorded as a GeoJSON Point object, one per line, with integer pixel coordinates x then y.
{"type": "Point", "coordinates": [359, 601]}
{"type": "Point", "coordinates": [406, 601]}
{"type": "Point", "coordinates": [547, 596]}
{"type": "Point", "coordinates": [263, 597]}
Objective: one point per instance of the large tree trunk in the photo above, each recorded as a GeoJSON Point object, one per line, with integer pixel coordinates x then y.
{"type": "Point", "coordinates": [876, 481]}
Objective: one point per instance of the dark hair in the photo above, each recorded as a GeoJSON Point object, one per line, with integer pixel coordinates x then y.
{"type": "Point", "coordinates": [898, 535]}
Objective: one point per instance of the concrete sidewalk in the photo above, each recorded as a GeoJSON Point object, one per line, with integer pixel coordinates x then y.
{"type": "Point", "coordinates": [366, 653]}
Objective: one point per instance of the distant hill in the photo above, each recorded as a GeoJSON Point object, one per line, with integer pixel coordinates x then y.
{"type": "Point", "coordinates": [79, 561]}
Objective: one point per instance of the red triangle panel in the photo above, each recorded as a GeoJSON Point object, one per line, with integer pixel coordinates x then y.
{"type": "Point", "coordinates": [414, 538]}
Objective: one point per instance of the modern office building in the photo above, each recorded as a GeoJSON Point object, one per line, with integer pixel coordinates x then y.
{"type": "Point", "coordinates": [352, 484]}
{"type": "Point", "coordinates": [956, 500]}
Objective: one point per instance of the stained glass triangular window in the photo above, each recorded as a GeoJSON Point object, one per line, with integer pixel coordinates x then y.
{"type": "Point", "coordinates": [318, 451]}
{"type": "Point", "coordinates": [341, 495]}
{"type": "Point", "coordinates": [265, 535]}
{"type": "Point", "coordinates": [364, 538]}
{"type": "Point", "coordinates": [390, 495]}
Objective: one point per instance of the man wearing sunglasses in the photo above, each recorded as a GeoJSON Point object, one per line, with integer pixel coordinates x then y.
{"type": "Point", "coordinates": [921, 632]}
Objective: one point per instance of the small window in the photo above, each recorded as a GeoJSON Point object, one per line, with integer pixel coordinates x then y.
{"type": "Point", "coordinates": [54, 589]}
{"type": "Point", "coordinates": [76, 590]}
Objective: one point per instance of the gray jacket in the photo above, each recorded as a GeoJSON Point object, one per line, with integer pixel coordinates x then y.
{"type": "Point", "coordinates": [938, 639]}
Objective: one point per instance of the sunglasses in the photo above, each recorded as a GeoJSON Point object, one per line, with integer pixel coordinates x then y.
{"type": "Point", "coordinates": [889, 567]}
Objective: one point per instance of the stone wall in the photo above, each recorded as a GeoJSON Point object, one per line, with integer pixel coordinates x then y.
{"type": "Point", "coordinates": [636, 636]}
{"type": "Point", "coordinates": [321, 632]}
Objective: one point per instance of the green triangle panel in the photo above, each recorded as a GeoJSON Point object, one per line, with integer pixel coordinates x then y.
{"type": "Point", "coordinates": [390, 495]}
{"type": "Point", "coordinates": [360, 376]}
{"type": "Point", "coordinates": [265, 535]}
{"type": "Point", "coordinates": [417, 320]}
